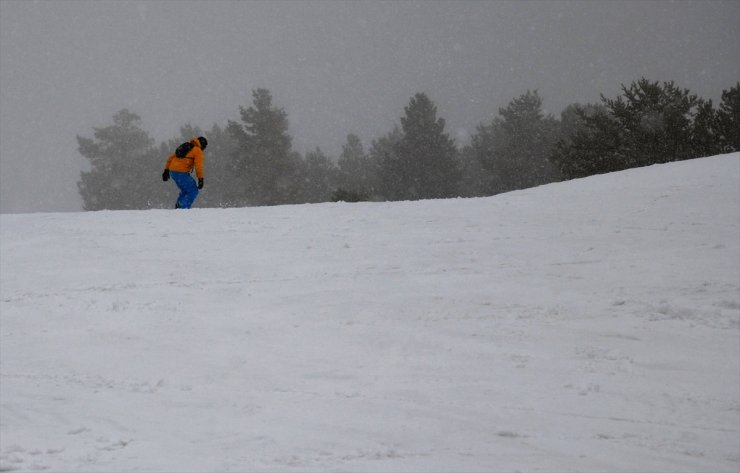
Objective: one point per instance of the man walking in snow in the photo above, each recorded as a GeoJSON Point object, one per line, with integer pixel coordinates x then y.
{"type": "Point", "coordinates": [180, 165]}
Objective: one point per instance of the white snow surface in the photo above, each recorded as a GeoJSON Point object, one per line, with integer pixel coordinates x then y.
{"type": "Point", "coordinates": [591, 325]}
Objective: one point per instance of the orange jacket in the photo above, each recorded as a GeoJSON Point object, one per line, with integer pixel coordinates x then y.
{"type": "Point", "coordinates": [193, 158]}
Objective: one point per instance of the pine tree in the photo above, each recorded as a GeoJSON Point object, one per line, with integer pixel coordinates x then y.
{"type": "Point", "coordinates": [383, 157]}
{"type": "Point", "coordinates": [515, 147]}
{"type": "Point", "coordinates": [425, 164]}
{"type": "Point", "coordinates": [655, 121]}
{"type": "Point", "coordinates": [590, 143]}
{"type": "Point", "coordinates": [264, 164]}
{"type": "Point", "coordinates": [476, 180]}
{"type": "Point", "coordinates": [357, 173]}
{"type": "Point", "coordinates": [704, 140]}
{"type": "Point", "coordinates": [124, 167]}
{"type": "Point", "coordinates": [649, 123]}
{"type": "Point", "coordinates": [318, 177]}
{"type": "Point", "coordinates": [728, 120]}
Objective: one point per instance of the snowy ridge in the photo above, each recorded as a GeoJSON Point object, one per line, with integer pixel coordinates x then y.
{"type": "Point", "coordinates": [592, 325]}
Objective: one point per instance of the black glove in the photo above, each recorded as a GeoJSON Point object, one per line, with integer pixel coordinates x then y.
{"type": "Point", "coordinates": [200, 183]}
{"type": "Point", "coordinates": [166, 175]}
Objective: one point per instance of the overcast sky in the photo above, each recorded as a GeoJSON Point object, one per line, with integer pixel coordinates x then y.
{"type": "Point", "coordinates": [335, 67]}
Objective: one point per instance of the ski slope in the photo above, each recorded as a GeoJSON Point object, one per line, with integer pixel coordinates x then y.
{"type": "Point", "coordinates": [591, 325]}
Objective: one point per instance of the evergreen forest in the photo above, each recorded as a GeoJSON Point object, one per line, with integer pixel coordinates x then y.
{"type": "Point", "coordinates": [252, 162]}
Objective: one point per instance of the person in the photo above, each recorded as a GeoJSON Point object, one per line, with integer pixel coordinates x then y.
{"type": "Point", "coordinates": [181, 168]}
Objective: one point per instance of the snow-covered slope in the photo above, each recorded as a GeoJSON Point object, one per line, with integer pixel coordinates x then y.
{"type": "Point", "coordinates": [592, 325]}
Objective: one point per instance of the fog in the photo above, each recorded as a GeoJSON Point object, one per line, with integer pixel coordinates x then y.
{"type": "Point", "coordinates": [335, 67]}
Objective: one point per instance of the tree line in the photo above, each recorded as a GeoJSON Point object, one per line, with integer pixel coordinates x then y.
{"type": "Point", "coordinates": [251, 162]}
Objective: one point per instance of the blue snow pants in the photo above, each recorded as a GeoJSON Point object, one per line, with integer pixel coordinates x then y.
{"type": "Point", "coordinates": [188, 189]}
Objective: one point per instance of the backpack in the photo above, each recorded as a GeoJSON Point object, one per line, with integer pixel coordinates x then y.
{"type": "Point", "coordinates": [183, 149]}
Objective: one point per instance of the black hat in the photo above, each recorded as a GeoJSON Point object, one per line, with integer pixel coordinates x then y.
{"type": "Point", "coordinates": [203, 142]}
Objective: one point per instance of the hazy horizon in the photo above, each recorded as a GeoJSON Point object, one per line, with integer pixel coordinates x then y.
{"type": "Point", "coordinates": [335, 67]}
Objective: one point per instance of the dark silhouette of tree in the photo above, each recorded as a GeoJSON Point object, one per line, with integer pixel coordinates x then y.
{"type": "Point", "coordinates": [728, 120]}
{"type": "Point", "coordinates": [424, 164]}
{"type": "Point", "coordinates": [515, 147]}
{"type": "Point", "coordinates": [125, 167]}
{"type": "Point", "coordinates": [651, 122]}
{"type": "Point", "coordinates": [317, 177]}
{"type": "Point", "coordinates": [357, 172]}
{"type": "Point", "coordinates": [590, 143]}
{"type": "Point", "coordinates": [264, 164]}
{"type": "Point", "coordinates": [384, 156]}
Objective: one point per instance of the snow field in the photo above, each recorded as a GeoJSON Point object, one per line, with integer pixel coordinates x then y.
{"type": "Point", "coordinates": [592, 325]}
